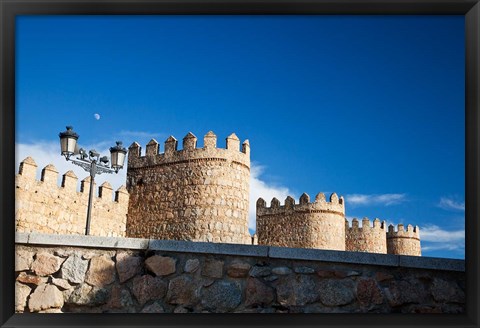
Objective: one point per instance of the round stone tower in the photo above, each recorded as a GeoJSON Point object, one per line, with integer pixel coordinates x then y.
{"type": "Point", "coordinates": [404, 242]}
{"type": "Point", "coordinates": [320, 224]}
{"type": "Point", "coordinates": [196, 194]}
{"type": "Point", "coordinates": [371, 239]}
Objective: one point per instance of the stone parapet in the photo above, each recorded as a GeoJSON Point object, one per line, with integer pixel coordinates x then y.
{"type": "Point", "coordinates": [189, 152]}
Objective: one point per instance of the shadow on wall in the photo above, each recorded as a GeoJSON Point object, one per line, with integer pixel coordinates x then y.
{"type": "Point", "coordinates": [67, 279]}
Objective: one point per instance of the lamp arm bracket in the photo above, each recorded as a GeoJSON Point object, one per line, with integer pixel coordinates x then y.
{"type": "Point", "coordinates": [100, 169]}
{"type": "Point", "coordinates": [83, 164]}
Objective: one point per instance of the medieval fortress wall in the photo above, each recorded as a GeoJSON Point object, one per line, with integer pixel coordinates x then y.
{"type": "Point", "coordinates": [197, 194]}
{"type": "Point", "coordinates": [43, 206]}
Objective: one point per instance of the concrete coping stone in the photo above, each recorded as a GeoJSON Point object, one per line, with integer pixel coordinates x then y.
{"type": "Point", "coordinates": [21, 238]}
{"type": "Point", "coordinates": [333, 256]}
{"type": "Point", "coordinates": [420, 262]}
{"type": "Point", "coordinates": [211, 248]}
{"type": "Point", "coordinates": [87, 241]}
{"type": "Point", "coordinates": [432, 263]}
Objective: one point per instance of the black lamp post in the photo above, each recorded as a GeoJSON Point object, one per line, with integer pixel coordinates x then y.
{"type": "Point", "coordinates": [92, 162]}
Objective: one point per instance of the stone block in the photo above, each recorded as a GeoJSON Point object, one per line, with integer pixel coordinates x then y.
{"type": "Point", "coordinates": [21, 293]}
{"type": "Point", "coordinates": [62, 283]}
{"type": "Point", "coordinates": [221, 296]}
{"type": "Point", "coordinates": [146, 288]}
{"type": "Point", "coordinates": [46, 264]}
{"type": "Point", "coordinates": [296, 291]}
{"type": "Point", "coordinates": [182, 290]}
{"type": "Point", "coordinates": [191, 265]}
{"type": "Point", "coordinates": [161, 265]}
{"type": "Point", "coordinates": [238, 270]}
{"type": "Point", "coordinates": [23, 260]}
{"type": "Point", "coordinates": [120, 298]}
{"type": "Point", "coordinates": [368, 292]}
{"type": "Point", "coordinates": [45, 297]}
{"type": "Point", "coordinates": [31, 279]}
{"type": "Point", "coordinates": [101, 271]}
{"type": "Point", "coordinates": [336, 292]}
{"type": "Point", "coordinates": [74, 268]}
{"type": "Point", "coordinates": [213, 268]}
{"type": "Point", "coordinates": [128, 266]}
{"type": "Point", "coordinates": [84, 294]}
{"type": "Point", "coordinates": [257, 293]}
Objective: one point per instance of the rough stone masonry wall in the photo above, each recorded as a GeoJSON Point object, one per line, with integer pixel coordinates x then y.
{"type": "Point", "coordinates": [320, 224]}
{"type": "Point", "coordinates": [198, 194]}
{"type": "Point", "coordinates": [107, 275]}
{"type": "Point", "coordinates": [367, 238]}
{"type": "Point", "coordinates": [43, 206]}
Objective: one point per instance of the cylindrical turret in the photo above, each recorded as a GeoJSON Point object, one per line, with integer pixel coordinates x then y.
{"type": "Point", "coordinates": [197, 194]}
{"type": "Point", "coordinates": [371, 239]}
{"type": "Point", "coordinates": [307, 225]}
{"type": "Point", "coordinates": [404, 242]}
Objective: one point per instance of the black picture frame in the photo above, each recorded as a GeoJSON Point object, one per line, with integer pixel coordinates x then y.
{"type": "Point", "coordinates": [10, 8]}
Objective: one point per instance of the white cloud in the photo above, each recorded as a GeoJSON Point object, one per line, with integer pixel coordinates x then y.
{"type": "Point", "coordinates": [451, 204]}
{"type": "Point", "coordinates": [443, 247]}
{"type": "Point", "coordinates": [433, 238]}
{"type": "Point", "coordinates": [45, 153]}
{"type": "Point", "coordinates": [433, 233]}
{"type": "Point", "coordinates": [375, 199]}
{"type": "Point", "coordinates": [97, 116]}
{"type": "Point", "coordinates": [260, 188]}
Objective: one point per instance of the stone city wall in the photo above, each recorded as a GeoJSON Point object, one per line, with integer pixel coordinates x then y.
{"type": "Point", "coordinates": [43, 206]}
{"type": "Point", "coordinates": [89, 274]}
{"type": "Point", "coordinates": [320, 224]}
{"type": "Point", "coordinates": [198, 194]}
{"type": "Point", "coordinates": [403, 241]}
{"type": "Point", "coordinates": [366, 238]}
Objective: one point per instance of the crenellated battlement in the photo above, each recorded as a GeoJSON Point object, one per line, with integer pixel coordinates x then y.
{"type": "Point", "coordinates": [366, 224]}
{"type": "Point", "coordinates": [69, 183]}
{"type": "Point", "coordinates": [44, 206]}
{"type": "Point", "coordinates": [401, 232]}
{"type": "Point", "coordinates": [189, 152]}
{"type": "Point", "coordinates": [335, 205]}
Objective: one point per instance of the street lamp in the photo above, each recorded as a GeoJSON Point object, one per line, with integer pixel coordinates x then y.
{"type": "Point", "coordinates": [91, 162]}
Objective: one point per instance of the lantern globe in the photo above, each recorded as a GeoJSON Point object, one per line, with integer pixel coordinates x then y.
{"type": "Point", "coordinates": [118, 154]}
{"type": "Point", "coordinates": [68, 141]}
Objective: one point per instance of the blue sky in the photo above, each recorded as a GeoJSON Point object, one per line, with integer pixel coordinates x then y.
{"type": "Point", "coordinates": [369, 107]}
